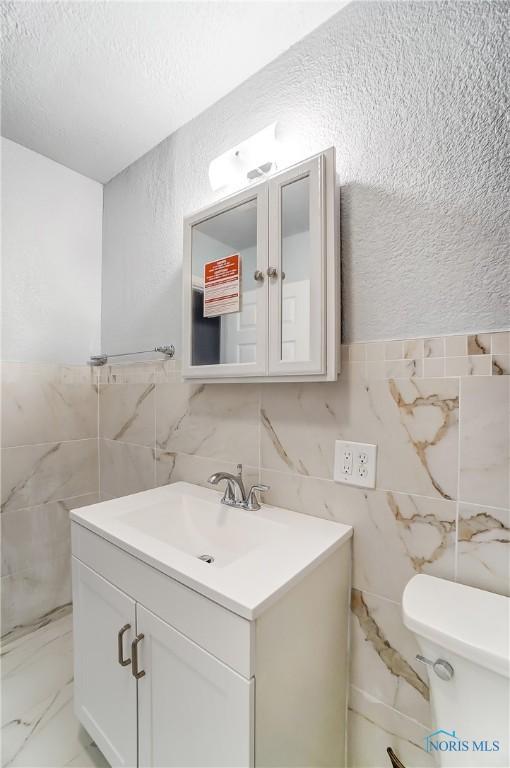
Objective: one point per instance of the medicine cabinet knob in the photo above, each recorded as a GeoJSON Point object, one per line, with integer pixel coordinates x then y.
{"type": "Point", "coordinates": [258, 275]}
{"type": "Point", "coordinates": [272, 272]}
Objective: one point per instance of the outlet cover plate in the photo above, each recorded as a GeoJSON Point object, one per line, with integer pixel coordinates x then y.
{"type": "Point", "coordinates": [355, 463]}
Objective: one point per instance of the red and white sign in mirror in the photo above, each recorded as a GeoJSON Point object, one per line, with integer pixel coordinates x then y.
{"type": "Point", "coordinates": [222, 285]}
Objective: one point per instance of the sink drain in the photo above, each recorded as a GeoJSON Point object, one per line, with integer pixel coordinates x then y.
{"type": "Point", "coordinates": [206, 558]}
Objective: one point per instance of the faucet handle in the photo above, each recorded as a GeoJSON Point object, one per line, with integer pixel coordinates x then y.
{"type": "Point", "coordinates": [252, 503]}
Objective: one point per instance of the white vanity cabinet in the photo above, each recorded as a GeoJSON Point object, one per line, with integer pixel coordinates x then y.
{"type": "Point", "coordinates": [286, 322]}
{"type": "Point", "coordinates": [245, 665]}
{"type": "Point", "coordinates": [171, 704]}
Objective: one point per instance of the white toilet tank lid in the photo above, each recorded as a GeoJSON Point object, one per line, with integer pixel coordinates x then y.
{"type": "Point", "coordinates": [469, 622]}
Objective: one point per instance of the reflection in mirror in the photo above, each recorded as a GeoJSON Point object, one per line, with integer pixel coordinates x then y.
{"type": "Point", "coordinates": [226, 338]}
{"type": "Point", "coordinates": [296, 265]}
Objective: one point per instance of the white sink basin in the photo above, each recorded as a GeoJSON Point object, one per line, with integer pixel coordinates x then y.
{"type": "Point", "coordinates": [255, 555]}
{"type": "Point", "coordinates": [203, 528]}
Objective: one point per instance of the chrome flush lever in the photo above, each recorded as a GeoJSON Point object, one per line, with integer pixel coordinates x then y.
{"type": "Point", "coordinates": [442, 668]}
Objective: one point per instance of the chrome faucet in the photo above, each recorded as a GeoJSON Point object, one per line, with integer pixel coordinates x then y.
{"type": "Point", "coordinates": [235, 494]}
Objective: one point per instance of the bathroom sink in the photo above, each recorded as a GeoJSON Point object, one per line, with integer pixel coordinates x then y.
{"type": "Point", "coordinates": [242, 560]}
{"type": "Point", "coordinates": [203, 528]}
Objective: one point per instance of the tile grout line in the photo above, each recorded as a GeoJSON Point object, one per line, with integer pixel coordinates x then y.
{"type": "Point", "coordinates": [377, 595]}
{"type": "Point", "coordinates": [154, 444]}
{"type": "Point", "coordinates": [50, 501]}
{"type": "Point", "coordinates": [283, 473]}
{"type": "Point", "coordinates": [429, 336]}
{"type": "Point", "coordinates": [127, 442]}
{"type": "Point", "coordinates": [387, 706]}
{"type": "Point", "coordinates": [50, 442]}
{"type": "Point", "coordinates": [457, 503]}
{"type": "Point", "coordinates": [259, 434]}
{"type": "Point", "coordinates": [98, 427]}
{"type": "Point", "coordinates": [330, 480]}
{"type": "Point", "coordinates": [60, 559]}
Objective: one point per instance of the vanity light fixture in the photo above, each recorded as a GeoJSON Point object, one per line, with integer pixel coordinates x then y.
{"type": "Point", "coordinates": [251, 159]}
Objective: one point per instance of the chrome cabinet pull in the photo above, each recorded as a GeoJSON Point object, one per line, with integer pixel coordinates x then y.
{"type": "Point", "coordinates": [134, 653]}
{"type": "Point", "coordinates": [122, 661]}
{"type": "Point", "coordinates": [258, 275]}
{"type": "Point", "coordinates": [272, 272]}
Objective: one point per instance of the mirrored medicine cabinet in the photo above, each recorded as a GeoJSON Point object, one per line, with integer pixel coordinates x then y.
{"type": "Point", "coordinates": [261, 281]}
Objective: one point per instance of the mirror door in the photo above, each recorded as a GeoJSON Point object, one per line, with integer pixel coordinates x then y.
{"type": "Point", "coordinates": [225, 287]}
{"type": "Point", "coordinates": [297, 271]}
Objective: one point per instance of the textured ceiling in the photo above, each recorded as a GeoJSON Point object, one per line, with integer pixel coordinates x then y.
{"type": "Point", "coordinates": [95, 85]}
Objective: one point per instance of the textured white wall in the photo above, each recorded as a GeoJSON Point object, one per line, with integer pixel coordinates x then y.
{"type": "Point", "coordinates": [51, 259]}
{"type": "Point", "coordinates": [142, 68]}
{"type": "Point", "coordinates": [413, 96]}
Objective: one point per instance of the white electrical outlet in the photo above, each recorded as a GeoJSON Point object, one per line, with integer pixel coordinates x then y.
{"type": "Point", "coordinates": [355, 463]}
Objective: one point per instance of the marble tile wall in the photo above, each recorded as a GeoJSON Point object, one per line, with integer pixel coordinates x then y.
{"type": "Point", "coordinates": [49, 465]}
{"type": "Point", "coordinates": [441, 504]}
{"type": "Point", "coordinates": [482, 354]}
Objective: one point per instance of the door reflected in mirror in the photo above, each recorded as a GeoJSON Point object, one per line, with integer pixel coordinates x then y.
{"type": "Point", "coordinates": [296, 266]}
{"type": "Point", "coordinates": [231, 337]}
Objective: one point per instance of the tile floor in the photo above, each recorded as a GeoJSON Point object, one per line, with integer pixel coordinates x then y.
{"type": "Point", "coordinates": [39, 728]}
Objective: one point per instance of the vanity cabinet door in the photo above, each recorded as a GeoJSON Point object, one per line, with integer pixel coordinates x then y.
{"type": "Point", "coordinates": [193, 709]}
{"type": "Point", "coordinates": [297, 265]}
{"type": "Point", "coordinates": [104, 690]}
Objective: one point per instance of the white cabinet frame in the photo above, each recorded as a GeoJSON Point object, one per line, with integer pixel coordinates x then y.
{"type": "Point", "coordinates": [324, 362]}
{"type": "Point", "coordinates": [228, 370]}
{"type": "Point", "coordinates": [313, 170]}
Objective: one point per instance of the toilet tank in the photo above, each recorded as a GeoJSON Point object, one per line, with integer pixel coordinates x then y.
{"type": "Point", "coordinates": [469, 629]}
